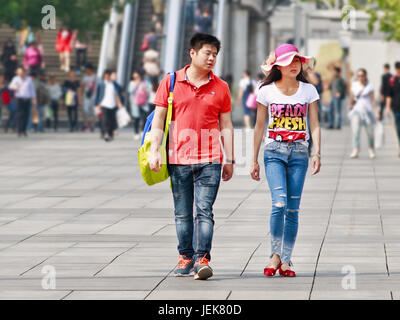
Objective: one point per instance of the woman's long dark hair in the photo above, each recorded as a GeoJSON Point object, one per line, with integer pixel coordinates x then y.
{"type": "Point", "coordinates": [275, 75]}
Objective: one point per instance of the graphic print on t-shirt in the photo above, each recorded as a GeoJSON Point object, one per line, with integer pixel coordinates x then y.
{"type": "Point", "coordinates": [288, 122]}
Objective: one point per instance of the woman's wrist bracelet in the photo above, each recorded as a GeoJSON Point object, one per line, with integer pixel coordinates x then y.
{"type": "Point", "coordinates": [316, 155]}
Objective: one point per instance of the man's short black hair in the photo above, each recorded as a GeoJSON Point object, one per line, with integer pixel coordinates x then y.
{"type": "Point", "coordinates": [200, 39]}
{"type": "Point", "coordinates": [107, 71]}
{"type": "Point", "coordinates": [89, 66]}
{"type": "Point", "coordinates": [338, 69]}
{"type": "Point", "coordinates": [397, 65]}
{"type": "Point", "coordinates": [386, 66]}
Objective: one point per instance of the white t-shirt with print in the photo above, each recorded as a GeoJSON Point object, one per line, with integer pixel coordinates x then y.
{"type": "Point", "coordinates": [287, 114]}
{"type": "Point", "coordinates": [362, 95]}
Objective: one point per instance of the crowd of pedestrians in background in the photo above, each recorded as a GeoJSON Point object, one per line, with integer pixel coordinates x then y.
{"type": "Point", "coordinates": [33, 99]}
{"type": "Point", "coordinates": [362, 108]}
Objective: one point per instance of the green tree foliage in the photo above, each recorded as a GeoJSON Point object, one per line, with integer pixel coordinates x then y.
{"type": "Point", "coordinates": [384, 12]}
{"type": "Point", "coordinates": [84, 15]}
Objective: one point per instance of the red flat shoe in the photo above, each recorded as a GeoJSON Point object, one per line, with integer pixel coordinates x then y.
{"type": "Point", "coordinates": [286, 273]}
{"type": "Point", "coordinates": [270, 272]}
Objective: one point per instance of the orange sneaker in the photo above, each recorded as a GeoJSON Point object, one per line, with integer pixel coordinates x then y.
{"type": "Point", "coordinates": [185, 266]}
{"type": "Point", "coordinates": [202, 271]}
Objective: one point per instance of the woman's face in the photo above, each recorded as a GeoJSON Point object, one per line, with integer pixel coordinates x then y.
{"type": "Point", "coordinates": [135, 76]}
{"type": "Point", "coordinates": [361, 76]}
{"type": "Point", "coordinates": [293, 69]}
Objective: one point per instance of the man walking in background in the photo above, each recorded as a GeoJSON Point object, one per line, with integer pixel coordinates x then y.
{"type": "Point", "coordinates": [393, 100]}
{"type": "Point", "coordinates": [338, 91]}
{"type": "Point", "coordinates": [385, 88]}
{"type": "Point", "coordinates": [26, 96]}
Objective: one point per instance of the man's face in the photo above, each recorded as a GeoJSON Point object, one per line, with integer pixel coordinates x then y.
{"type": "Point", "coordinates": [205, 58]}
{"type": "Point", "coordinates": [71, 76]}
{"type": "Point", "coordinates": [398, 72]}
{"type": "Point", "coordinates": [20, 72]}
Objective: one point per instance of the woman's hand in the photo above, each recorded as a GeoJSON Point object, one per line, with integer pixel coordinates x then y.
{"type": "Point", "coordinates": [316, 164]}
{"type": "Point", "coordinates": [255, 171]}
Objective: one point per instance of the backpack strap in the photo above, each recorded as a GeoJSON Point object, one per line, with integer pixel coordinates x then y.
{"type": "Point", "coordinates": [169, 112]}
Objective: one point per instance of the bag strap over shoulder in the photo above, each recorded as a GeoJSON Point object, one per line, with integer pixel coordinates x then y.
{"type": "Point", "coordinates": [169, 112]}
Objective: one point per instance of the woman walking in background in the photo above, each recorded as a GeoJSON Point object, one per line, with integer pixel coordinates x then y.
{"type": "Point", "coordinates": [71, 100]}
{"type": "Point", "coordinates": [55, 96]}
{"type": "Point", "coordinates": [286, 98]}
{"type": "Point", "coordinates": [246, 87]}
{"type": "Point", "coordinates": [9, 59]}
{"type": "Point", "coordinates": [33, 59]}
{"type": "Point", "coordinates": [139, 93]}
{"type": "Point", "coordinates": [363, 112]}
{"type": "Point", "coordinates": [63, 47]}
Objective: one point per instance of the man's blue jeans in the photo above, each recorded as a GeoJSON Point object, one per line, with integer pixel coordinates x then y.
{"type": "Point", "coordinates": [335, 112]}
{"type": "Point", "coordinates": [40, 109]}
{"type": "Point", "coordinates": [285, 167]}
{"type": "Point", "coordinates": [198, 183]}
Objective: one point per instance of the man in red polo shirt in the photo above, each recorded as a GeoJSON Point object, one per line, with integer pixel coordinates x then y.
{"type": "Point", "coordinates": [201, 114]}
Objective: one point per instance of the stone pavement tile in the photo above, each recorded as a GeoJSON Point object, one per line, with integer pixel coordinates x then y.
{"type": "Point", "coordinates": [165, 202]}
{"type": "Point", "coordinates": [356, 195]}
{"type": "Point", "coordinates": [57, 216]}
{"type": "Point", "coordinates": [128, 201]}
{"type": "Point", "coordinates": [351, 295]}
{"type": "Point", "coordinates": [367, 259]}
{"type": "Point", "coordinates": [269, 295]}
{"type": "Point", "coordinates": [105, 218]}
{"type": "Point", "coordinates": [24, 227]}
{"type": "Point", "coordinates": [230, 281]}
{"type": "Point", "coordinates": [363, 281]}
{"type": "Point", "coordinates": [188, 295]}
{"type": "Point", "coordinates": [76, 228]}
{"type": "Point", "coordinates": [66, 269]}
{"type": "Point", "coordinates": [84, 202]}
{"type": "Point", "coordinates": [135, 226]}
{"type": "Point", "coordinates": [355, 204]}
{"type": "Point", "coordinates": [20, 171]}
{"type": "Point", "coordinates": [7, 199]}
{"type": "Point", "coordinates": [78, 283]}
{"type": "Point", "coordinates": [107, 295]}
{"type": "Point", "coordinates": [364, 184]}
{"type": "Point", "coordinates": [388, 184]}
{"type": "Point", "coordinates": [116, 244]}
{"type": "Point", "coordinates": [341, 269]}
{"type": "Point", "coordinates": [396, 295]}
{"type": "Point", "coordinates": [47, 184]}
{"type": "Point", "coordinates": [32, 294]}
{"type": "Point", "coordinates": [37, 202]}
{"type": "Point", "coordinates": [86, 184]}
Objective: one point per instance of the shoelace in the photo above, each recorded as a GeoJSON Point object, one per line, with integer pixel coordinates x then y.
{"type": "Point", "coordinates": [203, 260]}
{"type": "Point", "coordinates": [182, 263]}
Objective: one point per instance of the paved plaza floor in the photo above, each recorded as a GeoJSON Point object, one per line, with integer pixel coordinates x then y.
{"type": "Point", "coordinates": [75, 207]}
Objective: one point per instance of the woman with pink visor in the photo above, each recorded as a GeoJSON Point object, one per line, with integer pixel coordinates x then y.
{"type": "Point", "coordinates": [290, 102]}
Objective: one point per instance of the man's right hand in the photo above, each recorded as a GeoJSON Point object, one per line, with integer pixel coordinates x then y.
{"type": "Point", "coordinates": [155, 161]}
